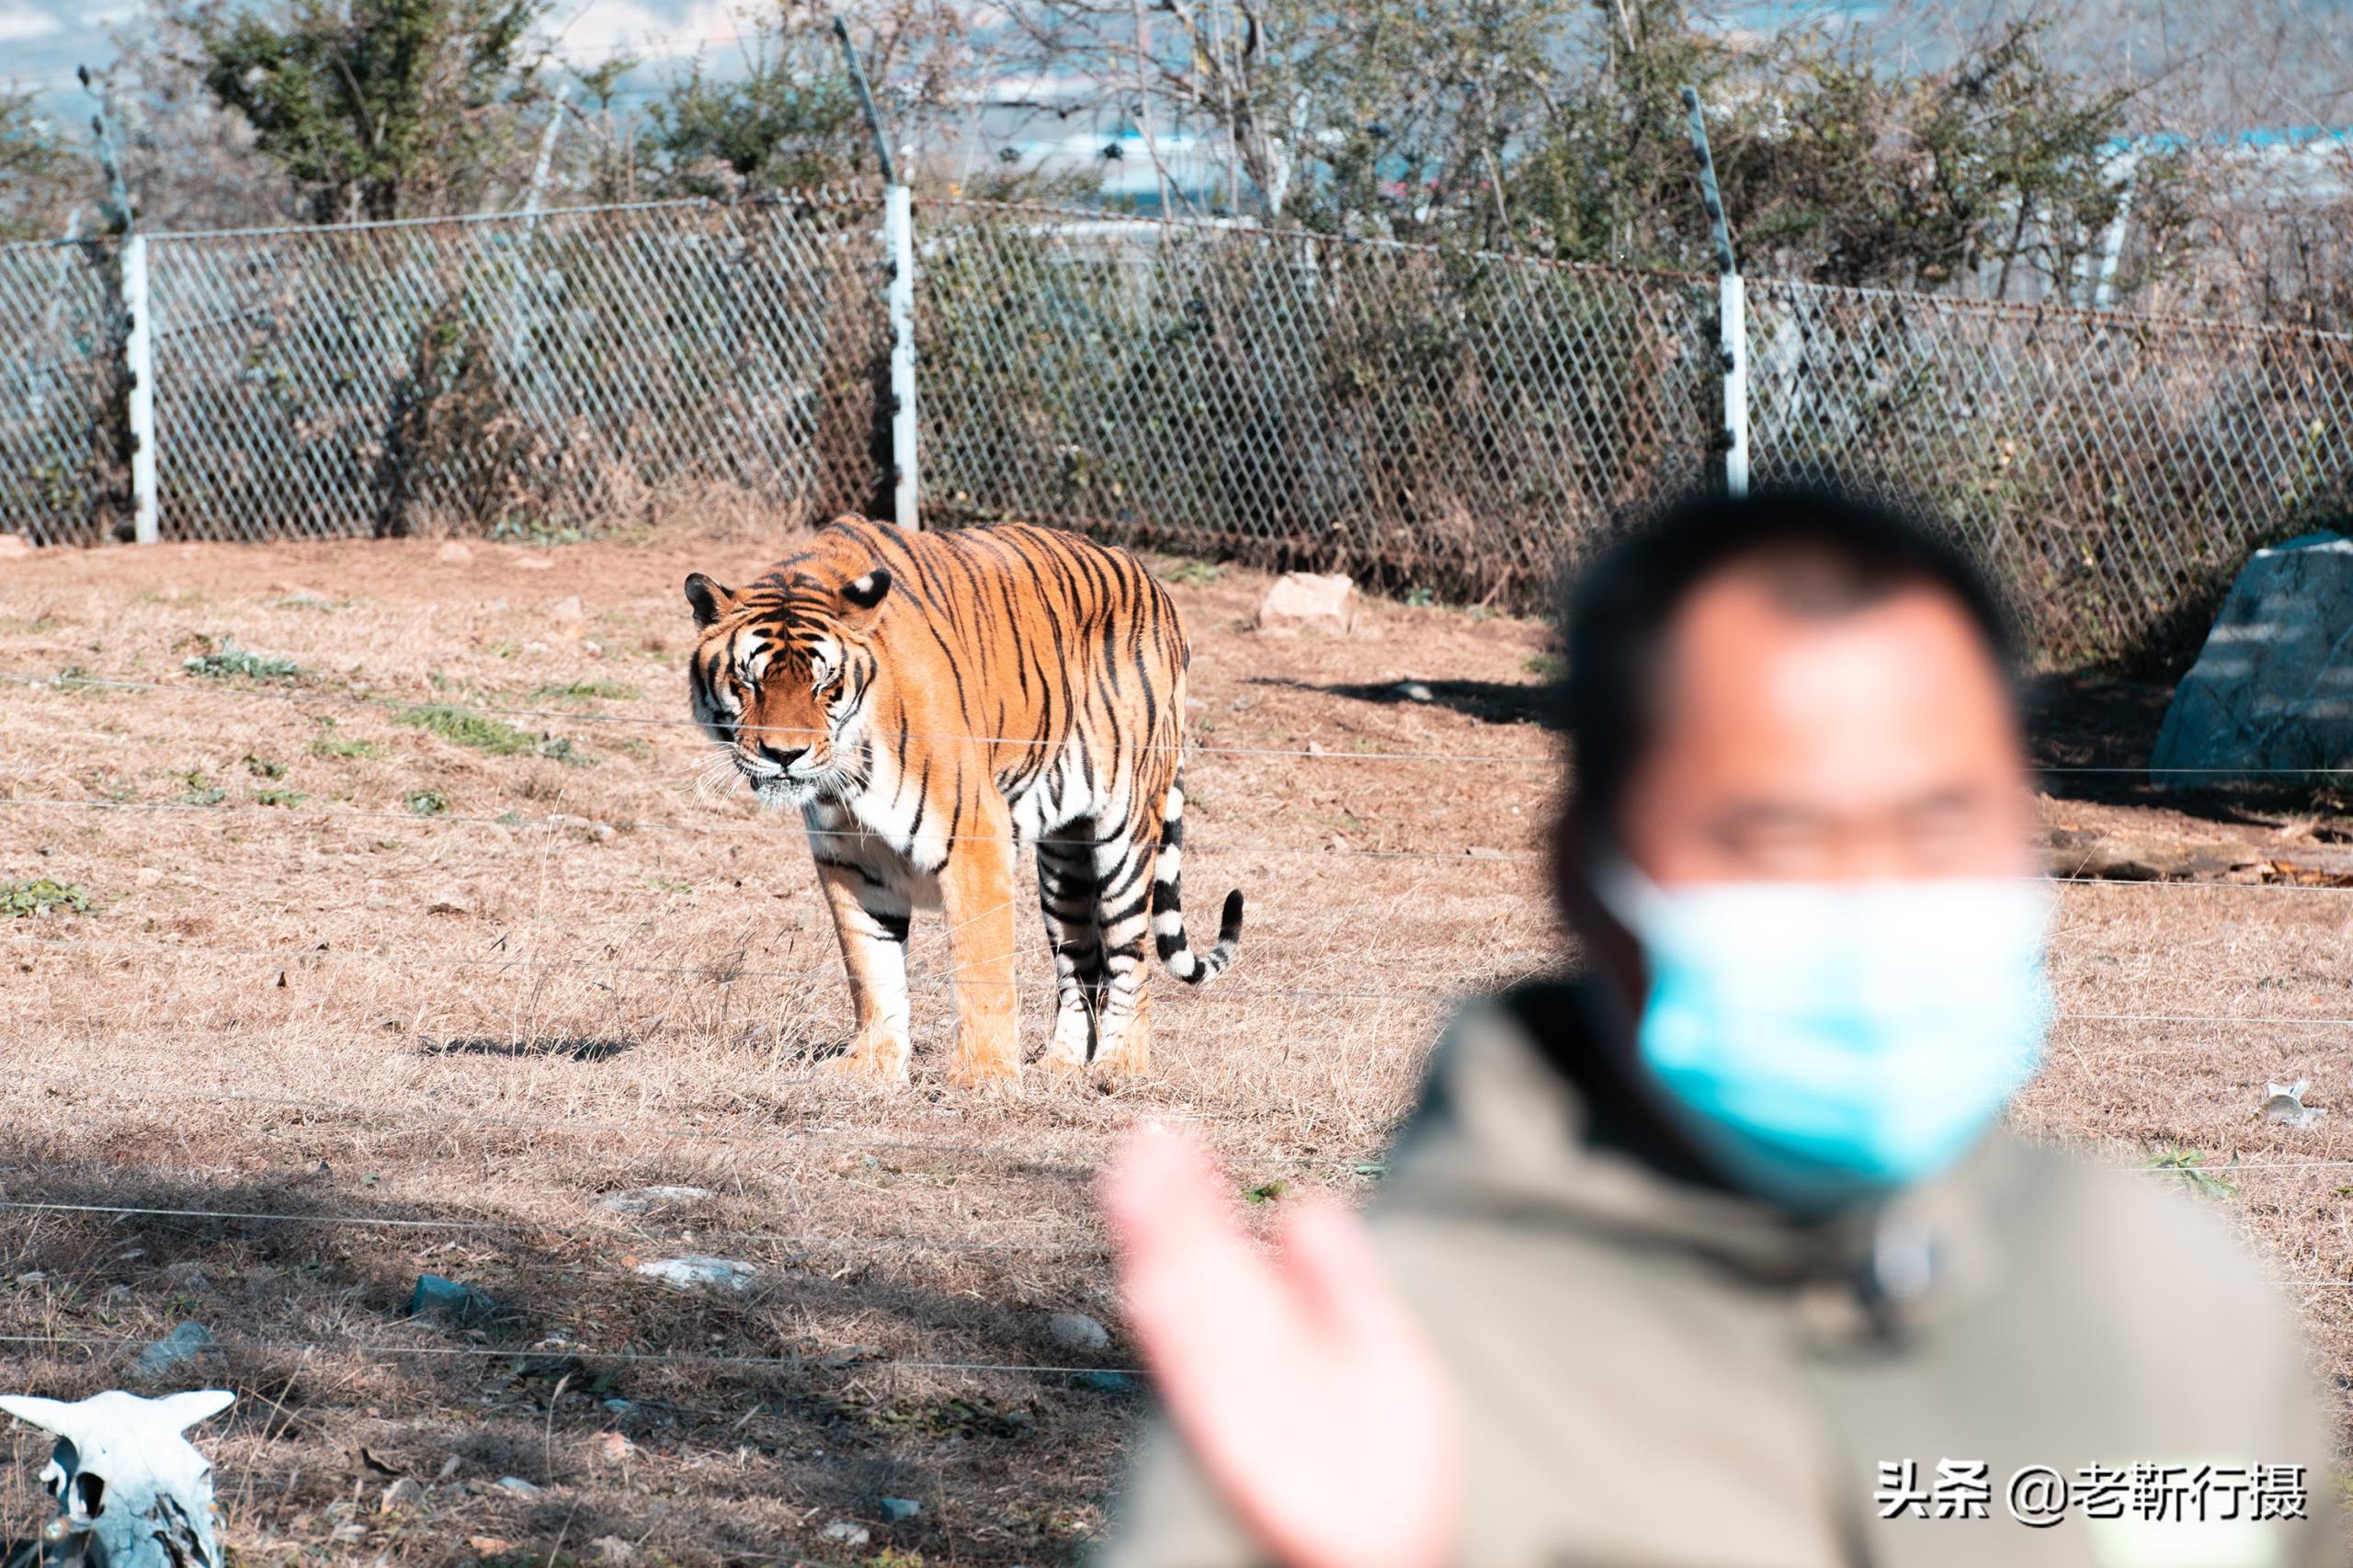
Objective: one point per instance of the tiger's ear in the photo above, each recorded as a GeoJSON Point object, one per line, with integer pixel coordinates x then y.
{"type": "Point", "coordinates": [709, 600]}
{"type": "Point", "coordinates": [865, 593]}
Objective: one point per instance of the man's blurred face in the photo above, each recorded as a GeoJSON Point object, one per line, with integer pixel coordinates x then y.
{"type": "Point", "coordinates": [1819, 910]}
{"type": "Point", "coordinates": [1873, 743]}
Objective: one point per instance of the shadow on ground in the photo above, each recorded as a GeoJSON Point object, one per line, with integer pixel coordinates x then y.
{"type": "Point", "coordinates": [1490, 701]}
{"type": "Point", "coordinates": [705, 1424]}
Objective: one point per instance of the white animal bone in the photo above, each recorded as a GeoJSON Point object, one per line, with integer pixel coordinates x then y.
{"type": "Point", "coordinates": [131, 1491]}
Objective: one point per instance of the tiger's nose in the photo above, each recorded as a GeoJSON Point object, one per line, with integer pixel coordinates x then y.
{"type": "Point", "coordinates": [783, 758]}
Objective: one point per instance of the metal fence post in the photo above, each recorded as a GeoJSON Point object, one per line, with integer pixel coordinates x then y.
{"type": "Point", "coordinates": [138, 366]}
{"type": "Point", "coordinates": [899, 233]}
{"type": "Point", "coordinates": [899, 245]}
{"type": "Point", "coordinates": [1731, 309]}
{"type": "Point", "coordinates": [138, 333]}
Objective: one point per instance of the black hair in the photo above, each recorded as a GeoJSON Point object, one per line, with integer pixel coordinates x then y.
{"type": "Point", "coordinates": [1821, 553]}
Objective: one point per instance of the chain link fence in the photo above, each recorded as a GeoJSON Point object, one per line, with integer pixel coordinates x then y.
{"type": "Point", "coordinates": [2114, 470]}
{"type": "Point", "coordinates": [1430, 419]}
{"type": "Point", "coordinates": [521, 374]}
{"type": "Point", "coordinates": [62, 424]}
{"type": "Point", "coordinates": [1420, 418]}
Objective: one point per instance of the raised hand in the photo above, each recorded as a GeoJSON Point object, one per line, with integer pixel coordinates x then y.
{"type": "Point", "coordinates": [1298, 1379]}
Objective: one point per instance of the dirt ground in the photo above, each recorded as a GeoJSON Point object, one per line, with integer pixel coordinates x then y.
{"type": "Point", "coordinates": [410, 945]}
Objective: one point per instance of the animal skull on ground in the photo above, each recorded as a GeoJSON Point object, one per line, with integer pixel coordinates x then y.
{"type": "Point", "coordinates": [131, 1491]}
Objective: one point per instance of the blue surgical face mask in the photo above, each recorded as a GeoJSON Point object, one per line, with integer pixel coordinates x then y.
{"type": "Point", "coordinates": [1827, 1042]}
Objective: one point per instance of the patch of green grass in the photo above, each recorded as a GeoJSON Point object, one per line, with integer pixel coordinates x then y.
{"type": "Point", "coordinates": [1421, 598]}
{"type": "Point", "coordinates": [429, 803]}
{"type": "Point", "coordinates": [464, 727]}
{"type": "Point", "coordinates": [532, 531]}
{"type": "Point", "coordinates": [975, 1418]}
{"type": "Point", "coordinates": [280, 797]}
{"type": "Point", "coordinates": [1196, 573]}
{"type": "Point", "coordinates": [201, 792]}
{"type": "Point", "coordinates": [2190, 1165]}
{"type": "Point", "coordinates": [1266, 1193]}
{"type": "Point", "coordinates": [588, 691]}
{"type": "Point", "coordinates": [332, 746]}
{"type": "Point", "coordinates": [669, 884]}
{"type": "Point", "coordinates": [229, 661]}
{"type": "Point", "coordinates": [41, 895]}
{"type": "Point", "coordinates": [1544, 666]}
{"type": "Point", "coordinates": [262, 768]}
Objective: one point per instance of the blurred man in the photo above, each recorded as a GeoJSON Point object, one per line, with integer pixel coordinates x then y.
{"type": "Point", "coordinates": [1712, 1255]}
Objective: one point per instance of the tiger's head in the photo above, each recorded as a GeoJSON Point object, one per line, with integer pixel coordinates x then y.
{"type": "Point", "coordinates": [782, 674]}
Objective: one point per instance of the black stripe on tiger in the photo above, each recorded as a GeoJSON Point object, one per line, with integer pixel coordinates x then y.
{"type": "Point", "coordinates": [1168, 904]}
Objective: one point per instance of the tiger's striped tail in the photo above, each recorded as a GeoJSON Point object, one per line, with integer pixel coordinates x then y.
{"type": "Point", "coordinates": [1168, 904]}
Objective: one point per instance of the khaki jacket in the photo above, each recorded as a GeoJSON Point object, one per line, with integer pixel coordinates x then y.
{"type": "Point", "coordinates": [1655, 1372]}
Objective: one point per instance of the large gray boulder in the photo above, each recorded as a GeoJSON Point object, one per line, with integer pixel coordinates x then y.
{"type": "Point", "coordinates": [2272, 690]}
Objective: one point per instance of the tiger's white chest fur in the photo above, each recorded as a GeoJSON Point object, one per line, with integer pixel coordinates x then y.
{"type": "Point", "coordinates": [892, 824]}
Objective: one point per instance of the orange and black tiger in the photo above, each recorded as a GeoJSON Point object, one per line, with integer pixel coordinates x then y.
{"type": "Point", "coordinates": [930, 701]}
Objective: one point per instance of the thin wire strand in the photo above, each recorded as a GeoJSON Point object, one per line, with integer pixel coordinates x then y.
{"type": "Point", "coordinates": [720, 829]}
{"type": "Point", "coordinates": [725, 973]}
{"type": "Point", "coordinates": [787, 1241]}
{"type": "Point", "coordinates": [73, 683]}
{"type": "Point", "coordinates": [584, 1353]}
{"type": "Point", "coordinates": [1468, 853]}
{"type": "Point", "coordinates": [572, 1126]}
{"type": "Point", "coordinates": [730, 973]}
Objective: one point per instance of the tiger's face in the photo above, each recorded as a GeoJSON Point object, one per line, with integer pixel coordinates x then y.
{"type": "Point", "coordinates": [782, 679]}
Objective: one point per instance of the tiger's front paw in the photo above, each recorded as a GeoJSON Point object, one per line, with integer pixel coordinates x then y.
{"type": "Point", "coordinates": [880, 1059]}
{"type": "Point", "coordinates": [985, 1060]}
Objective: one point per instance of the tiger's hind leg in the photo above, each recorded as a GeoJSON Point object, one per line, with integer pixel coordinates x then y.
{"type": "Point", "coordinates": [1066, 894]}
{"type": "Point", "coordinates": [1123, 925]}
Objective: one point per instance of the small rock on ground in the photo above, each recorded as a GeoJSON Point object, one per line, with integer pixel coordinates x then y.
{"type": "Point", "coordinates": [174, 1350]}
{"type": "Point", "coordinates": [700, 1273]}
{"type": "Point", "coordinates": [900, 1509]}
{"type": "Point", "coordinates": [646, 1200]}
{"type": "Point", "coordinates": [1076, 1330]}
{"type": "Point", "coordinates": [437, 1297]}
{"type": "Point", "coordinates": [1308, 601]}
{"type": "Point", "coordinates": [844, 1533]}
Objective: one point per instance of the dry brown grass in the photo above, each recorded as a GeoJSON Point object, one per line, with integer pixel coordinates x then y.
{"type": "Point", "coordinates": [264, 1014]}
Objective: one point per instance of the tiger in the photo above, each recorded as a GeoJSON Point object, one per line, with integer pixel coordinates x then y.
{"type": "Point", "coordinates": [931, 702]}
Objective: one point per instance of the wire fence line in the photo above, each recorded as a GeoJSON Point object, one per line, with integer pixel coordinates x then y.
{"type": "Point", "coordinates": [1457, 421]}
{"type": "Point", "coordinates": [78, 682]}
{"type": "Point", "coordinates": [566, 1351]}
